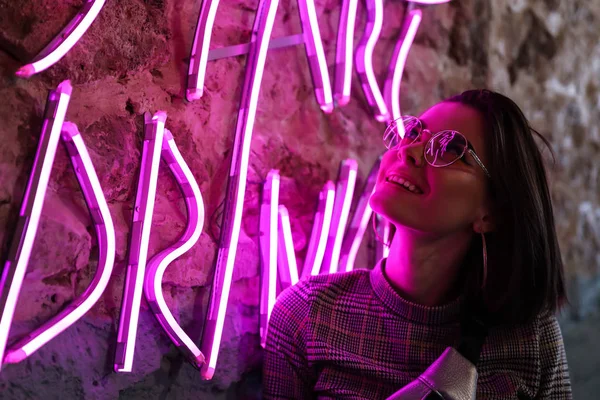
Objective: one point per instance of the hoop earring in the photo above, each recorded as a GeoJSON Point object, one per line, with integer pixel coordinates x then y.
{"type": "Point", "coordinates": [484, 261]}
{"type": "Point", "coordinates": [379, 239]}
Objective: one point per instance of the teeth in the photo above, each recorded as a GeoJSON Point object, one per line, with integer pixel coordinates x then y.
{"type": "Point", "coordinates": [406, 184]}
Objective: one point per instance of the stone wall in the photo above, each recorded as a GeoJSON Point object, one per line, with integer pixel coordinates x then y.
{"type": "Point", "coordinates": [543, 54]}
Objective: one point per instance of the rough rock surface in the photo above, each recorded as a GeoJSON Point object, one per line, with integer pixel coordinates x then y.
{"type": "Point", "coordinates": [133, 59]}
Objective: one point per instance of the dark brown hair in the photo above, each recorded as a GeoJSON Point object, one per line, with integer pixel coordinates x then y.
{"type": "Point", "coordinates": [525, 269]}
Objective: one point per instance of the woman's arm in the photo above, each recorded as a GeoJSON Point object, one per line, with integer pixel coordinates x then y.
{"type": "Point", "coordinates": [286, 374]}
{"type": "Point", "coordinates": [554, 382]}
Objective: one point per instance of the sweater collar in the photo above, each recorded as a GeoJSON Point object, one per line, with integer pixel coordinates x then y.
{"type": "Point", "coordinates": [418, 313]}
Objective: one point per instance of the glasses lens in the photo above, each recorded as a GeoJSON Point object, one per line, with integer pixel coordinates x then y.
{"type": "Point", "coordinates": [403, 131]}
{"type": "Point", "coordinates": [445, 148]}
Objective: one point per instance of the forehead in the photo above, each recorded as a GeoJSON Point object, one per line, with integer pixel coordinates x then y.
{"type": "Point", "coordinates": [458, 117]}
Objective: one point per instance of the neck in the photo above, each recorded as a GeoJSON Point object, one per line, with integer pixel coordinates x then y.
{"type": "Point", "coordinates": [424, 270]}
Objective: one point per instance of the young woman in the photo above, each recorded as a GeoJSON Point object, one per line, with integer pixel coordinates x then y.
{"type": "Point", "coordinates": [465, 188]}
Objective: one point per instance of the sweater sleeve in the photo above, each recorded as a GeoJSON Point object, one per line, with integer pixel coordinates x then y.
{"type": "Point", "coordinates": [554, 381]}
{"type": "Point", "coordinates": [286, 374]}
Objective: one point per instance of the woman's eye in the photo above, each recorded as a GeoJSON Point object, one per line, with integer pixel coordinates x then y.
{"type": "Point", "coordinates": [411, 134]}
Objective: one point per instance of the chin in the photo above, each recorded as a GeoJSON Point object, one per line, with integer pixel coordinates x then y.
{"type": "Point", "coordinates": [397, 213]}
{"type": "Point", "coordinates": [385, 206]}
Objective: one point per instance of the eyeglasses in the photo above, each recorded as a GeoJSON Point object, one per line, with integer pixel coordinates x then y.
{"type": "Point", "coordinates": [442, 149]}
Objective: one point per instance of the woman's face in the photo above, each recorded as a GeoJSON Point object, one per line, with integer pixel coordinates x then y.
{"type": "Point", "coordinates": [453, 196]}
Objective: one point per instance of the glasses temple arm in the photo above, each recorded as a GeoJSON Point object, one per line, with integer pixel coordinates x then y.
{"type": "Point", "coordinates": [479, 162]}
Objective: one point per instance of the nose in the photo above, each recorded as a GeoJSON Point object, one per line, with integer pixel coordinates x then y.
{"type": "Point", "coordinates": [413, 153]}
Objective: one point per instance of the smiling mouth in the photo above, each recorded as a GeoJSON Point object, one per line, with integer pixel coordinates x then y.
{"type": "Point", "coordinates": [392, 181]}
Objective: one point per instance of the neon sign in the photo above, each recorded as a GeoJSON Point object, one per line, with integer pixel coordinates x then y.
{"type": "Point", "coordinates": [158, 264]}
{"type": "Point", "coordinates": [330, 247]}
{"type": "Point", "coordinates": [268, 250]}
{"type": "Point", "coordinates": [154, 129]}
{"type": "Point", "coordinates": [64, 41]}
{"type": "Point", "coordinates": [344, 193]}
{"type": "Point", "coordinates": [15, 267]}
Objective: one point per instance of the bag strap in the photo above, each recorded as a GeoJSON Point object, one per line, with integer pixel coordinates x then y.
{"type": "Point", "coordinates": [473, 333]}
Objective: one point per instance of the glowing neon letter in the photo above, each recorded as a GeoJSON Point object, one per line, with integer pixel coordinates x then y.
{"type": "Point", "coordinates": [236, 187]}
{"type": "Point", "coordinates": [31, 208]}
{"type": "Point", "coordinates": [359, 222]}
{"type": "Point", "coordinates": [287, 266]}
{"type": "Point", "coordinates": [199, 54]}
{"type": "Point", "coordinates": [341, 208]}
{"type": "Point", "coordinates": [364, 60]}
{"type": "Point", "coordinates": [159, 263]}
{"type": "Point", "coordinates": [64, 41]}
{"type": "Point", "coordinates": [94, 198]}
{"type": "Point", "coordinates": [311, 37]}
{"type": "Point", "coordinates": [318, 237]}
{"type": "Point", "coordinates": [316, 54]}
{"type": "Point", "coordinates": [343, 52]}
{"type": "Point", "coordinates": [392, 83]}
{"type": "Point", "coordinates": [268, 250]}
{"type": "Point", "coordinates": [138, 246]}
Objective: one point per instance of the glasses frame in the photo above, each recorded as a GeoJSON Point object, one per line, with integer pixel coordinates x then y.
{"type": "Point", "coordinates": [468, 148]}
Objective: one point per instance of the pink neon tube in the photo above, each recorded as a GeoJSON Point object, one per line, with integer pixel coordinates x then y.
{"type": "Point", "coordinates": [359, 222]}
{"type": "Point", "coordinates": [159, 263]}
{"type": "Point", "coordinates": [31, 208]}
{"type": "Point", "coordinates": [268, 250]}
{"type": "Point", "coordinates": [200, 48]}
{"type": "Point", "coordinates": [94, 198]}
{"type": "Point", "coordinates": [382, 250]}
{"type": "Point", "coordinates": [341, 208]}
{"type": "Point", "coordinates": [392, 83]}
{"type": "Point", "coordinates": [364, 60]}
{"type": "Point", "coordinates": [318, 237]}
{"type": "Point", "coordinates": [316, 54]}
{"type": "Point", "coordinates": [236, 187]}
{"type": "Point", "coordinates": [64, 41]}
{"type": "Point", "coordinates": [288, 269]}
{"type": "Point", "coordinates": [343, 52]}
{"type": "Point", "coordinates": [140, 234]}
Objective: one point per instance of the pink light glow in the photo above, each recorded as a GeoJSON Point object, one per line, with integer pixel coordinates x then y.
{"type": "Point", "coordinates": [364, 60]}
{"type": "Point", "coordinates": [236, 187]}
{"type": "Point", "coordinates": [94, 198]}
{"type": "Point", "coordinates": [64, 41]}
{"type": "Point", "coordinates": [316, 54]}
{"type": "Point", "coordinates": [320, 230]}
{"type": "Point", "coordinates": [359, 222]}
{"type": "Point", "coordinates": [31, 208]}
{"type": "Point", "coordinates": [200, 48]}
{"type": "Point", "coordinates": [343, 52]}
{"type": "Point", "coordinates": [392, 83]}
{"type": "Point", "coordinates": [140, 236]}
{"type": "Point", "coordinates": [159, 263]}
{"type": "Point", "coordinates": [288, 269]}
{"type": "Point", "coordinates": [268, 250]}
{"type": "Point", "coordinates": [341, 208]}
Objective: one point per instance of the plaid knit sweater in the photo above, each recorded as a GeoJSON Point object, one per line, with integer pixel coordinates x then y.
{"type": "Point", "coordinates": [351, 336]}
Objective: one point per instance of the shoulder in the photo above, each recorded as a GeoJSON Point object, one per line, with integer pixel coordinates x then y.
{"type": "Point", "coordinates": [325, 290]}
{"type": "Point", "coordinates": [515, 357]}
{"type": "Point", "coordinates": [546, 322]}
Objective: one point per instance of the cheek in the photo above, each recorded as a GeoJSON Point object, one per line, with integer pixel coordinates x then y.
{"type": "Point", "coordinates": [448, 206]}
{"type": "Point", "coordinates": [387, 161]}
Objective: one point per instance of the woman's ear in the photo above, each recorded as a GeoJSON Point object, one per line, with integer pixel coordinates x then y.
{"type": "Point", "coordinates": [485, 223]}
{"type": "Point", "coordinates": [485, 220]}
